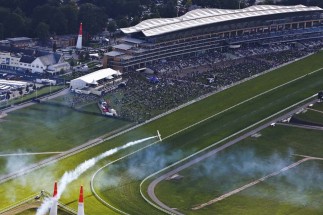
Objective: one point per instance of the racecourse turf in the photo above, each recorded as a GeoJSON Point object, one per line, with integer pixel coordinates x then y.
{"type": "Point", "coordinates": [47, 127]}
{"type": "Point", "coordinates": [33, 211]}
{"type": "Point", "coordinates": [189, 141]}
{"type": "Point", "coordinates": [312, 116]}
{"type": "Point", "coordinates": [249, 160]}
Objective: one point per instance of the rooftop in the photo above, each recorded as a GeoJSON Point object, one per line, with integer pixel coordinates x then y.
{"type": "Point", "coordinates": [133, 40]}
{"type": "Point", "coordinates": [17, 39]}
{"type": "Point", "coordinates": [93, 77]}
{"type": "Point", "coordinates": [205, 16]}
{"type": "Point", "coordinates": [122, 46]}
{"type": "Point", "coordinates": [114, 53]}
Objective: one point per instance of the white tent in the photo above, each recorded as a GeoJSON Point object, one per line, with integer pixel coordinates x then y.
{"type": "Point", "coordinates": [92, 78]}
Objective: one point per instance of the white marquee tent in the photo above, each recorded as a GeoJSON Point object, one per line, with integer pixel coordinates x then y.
{"type": "Point", "coordinates": [93, 78]}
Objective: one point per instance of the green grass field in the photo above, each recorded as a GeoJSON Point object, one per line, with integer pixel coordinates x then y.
{"type": "Point", "coordinates": [126, 195]}
{"type": "Point", "coordinates": [249, 160]}
{"type": "Point", "coordinates": [46, 127]}
{"type": "Point", "coordinates": [33, 211]}
{"type": "Point", "coordinates": [186, 143]}
{"type": "Point", "coordinates": [312, 116]}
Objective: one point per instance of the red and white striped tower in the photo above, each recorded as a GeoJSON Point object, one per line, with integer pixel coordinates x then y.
{"type": "Point", "coordinates": [79, 38]}
{"type": "Point", "coordinates": [53, 210]}
{"type": "Point", "coordinates": [80, 210]}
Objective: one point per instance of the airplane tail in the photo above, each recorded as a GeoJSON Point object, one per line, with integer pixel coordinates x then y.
{"type": "Point", "coordinates": [158, 134]}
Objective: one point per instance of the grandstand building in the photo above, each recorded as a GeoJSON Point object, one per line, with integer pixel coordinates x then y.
{"type": "Point", "coordinates": [203, 30]}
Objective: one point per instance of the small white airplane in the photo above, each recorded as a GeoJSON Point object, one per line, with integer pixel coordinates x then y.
{"type": "Point", "coordinates": [158, 134]}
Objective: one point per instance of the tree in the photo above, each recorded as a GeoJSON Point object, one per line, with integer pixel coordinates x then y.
{"type": "Point", "coordinates": [8, 95]}
{"type": "Point", "coordinates": [20, 91]}
{"type": "Point", "coordinates": [122, 23]}
{"type": "Point", "coordinates": [87, 56]}
{"type": "Point", "coordinates": [168, 10]}
{"type": "Point", "coordinates": [14, 25]}
{"type": "Point", "coordinates": [81, 57]}
{"type": "Point", "coordinates": [93, 18]}
{"type": "Point", "coordinates": [53, 16]}
{"type": "Point", "coordinates": [28, 6]}
{"type": "Point", "coordinates": [72, 63]}
{"type": "Point", "coordinates": [58, 23]}
{"type": "Point", "coordinates": [42, 31]}
{"type": "Point", "coordinates": [112, 27]}
{"type": "Point", "coordinates": [70, 12]}
{"type": "Point", "coordinates": [54, 47]}
{"type": "Point", "coordinates": [132, 8]}
{"type": "Point", "coordinates": [135, 21]}
{"type": "Point", "coordinates": [1, 31]}
{"type": "Point", "coordinates": [188, 3]}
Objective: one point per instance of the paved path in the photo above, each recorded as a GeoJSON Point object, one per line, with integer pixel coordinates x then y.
{"type": "Point", "coordinates": [310, 127]}
{"type": "Point", "coordinates": [153, 184]}
{"type": "Point", "coordinates": [29, 153]}
{"type": "Point", "coordinates": [29, 103]}
{"type": "Point", "coordinates": [315, 110]}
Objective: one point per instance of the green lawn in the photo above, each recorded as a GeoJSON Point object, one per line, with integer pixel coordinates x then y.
{"type": "Point", "coordinates": [180, 145]}
{"type": "Point", "coordinates": [33, 211]}
{"type": "Point", "coordinates": [249, 160]}
{"type": "Point", "coordinates": [196, 138]}
{"type": "Point", "coordinates": [312, 116]}
{"type": "Point", "coordinates": [46, 127]}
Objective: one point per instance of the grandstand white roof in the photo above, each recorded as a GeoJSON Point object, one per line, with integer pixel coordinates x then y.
{"type": "Point", "coordinates": [205, 16]}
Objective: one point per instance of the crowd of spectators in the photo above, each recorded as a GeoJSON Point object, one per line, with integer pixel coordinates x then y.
{"type": "Point", "coordinates": [184, 79]}
{"type": "Point", "coordinates": [76, 100]}
{"type": "Point", "coordinates": [140, 100]}
{"type": "Point", "coordinates": [284, 56]}
{"type": "Point", "coordinates": [224, 76]}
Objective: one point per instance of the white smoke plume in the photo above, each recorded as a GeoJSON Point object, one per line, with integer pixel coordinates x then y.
{"type": "Point", "coordinates": [70, 176]}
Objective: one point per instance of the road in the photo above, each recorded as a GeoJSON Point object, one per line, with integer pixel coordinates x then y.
{"type": "Point", "coordinates": [153, 184]}
{"type": "Point", "coordinates": [310, 127]}
{"type": "Point", "coordinates": [29, 103]}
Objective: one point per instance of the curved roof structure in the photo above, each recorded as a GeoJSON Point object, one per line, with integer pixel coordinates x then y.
{"type": "Point", "coordinates": [92, 78]}
{"type": "Point", "coordinates": [200, 17]}
{"type": "Point", "coordinates": [97, 75]}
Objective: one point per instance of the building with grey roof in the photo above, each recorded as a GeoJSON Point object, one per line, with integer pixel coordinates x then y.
{"type": "Point", "coordinates": [207, 29]}
{"type": "Point", "coordinates": [31, 60]}
{"type": "Point", "coordinates": [20, 42]}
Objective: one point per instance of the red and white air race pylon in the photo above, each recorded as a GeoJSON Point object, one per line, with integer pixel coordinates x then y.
{"type": "Point", "coordinates": [53, 210]}
{"type": "Point", "coordinates": [79, 38]}
{"type": "Point", "coordinates": [80, 210]}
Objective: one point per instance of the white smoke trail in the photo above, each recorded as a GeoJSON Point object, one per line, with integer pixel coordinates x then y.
{"type": "Point", "coordinates": [70, 176]}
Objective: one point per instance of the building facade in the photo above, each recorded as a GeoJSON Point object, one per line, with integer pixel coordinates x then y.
{"type": "Point", "coordinates": [31, 60]}
{"type": "Point", "coordinates": [202, 30]}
